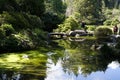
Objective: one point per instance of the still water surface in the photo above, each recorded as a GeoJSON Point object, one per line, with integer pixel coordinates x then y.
{"type": "Point", "coordinates": [56, 72]}
{"type": "Point", "coordinates": [65, 60]}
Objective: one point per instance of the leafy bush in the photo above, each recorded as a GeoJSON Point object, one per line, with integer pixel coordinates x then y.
{"type": "Point", "coordinates": [111, 22]}
{"type": "Point", "coordinates": [17, 42]}
{"type": "Point", "coordinates": [102, 32]}
{"type": "Point", "coordinates": [68, 25]}
{"type": "Point", "coordinates": [7, 29]}
{"type": "Point", "coordinates": [40, 33]}
{"type": "Point", "coordinates": [22, 20]}
{"type": "Point", "coordinates": [115, 22]}
{"type": "Point", "coordinates": [2, 33]}
{"type": "Point", "coordinates": [107, 22]}
{"type": "Point", "coordinates": [91, 27]}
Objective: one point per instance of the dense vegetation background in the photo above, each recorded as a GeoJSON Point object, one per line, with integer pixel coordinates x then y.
{"type": "Point", "coordinates": [24, 24]}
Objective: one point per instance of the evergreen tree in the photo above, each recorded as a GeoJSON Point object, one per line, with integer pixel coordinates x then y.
{"type": "Point", "coordinates": [90, 10]}
{"type": "Point", "coordinates": [35, 7]}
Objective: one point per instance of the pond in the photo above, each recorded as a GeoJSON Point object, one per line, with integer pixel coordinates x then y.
{"type": "Point", "coordinates": [62, 60]}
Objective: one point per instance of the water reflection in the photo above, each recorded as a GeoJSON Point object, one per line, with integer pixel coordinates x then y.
{"type": "Point", "coordinates": [59, 71]}
{"type": "Point", "coordinates": [114, 65]}
{"type": "Point", "coordinates": [65, 60]}
{"type": "Point", "coordinates": [81, 63]}
{"type": "Point", "coordinates": [56, 71]}
{"type": "Point", "coordinates": [28, 65]}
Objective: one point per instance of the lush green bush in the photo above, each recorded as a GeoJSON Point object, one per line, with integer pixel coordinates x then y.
{"type": "Point", "coordinates": [7, 29]}
{"type": "Point", "coordinates": [16, 42]}
{"type": "Point", "coordinates": [102, 32]}
{"type": "Point", "coordinates": [91, 27]}
{"type": "Point", "coordinates": [107, 22]}
{"type": "Point", "coordinates": [40, 33]}
{"type": "Point", "coordinates": [68, 25]}
{"type": "Point", "coordinates": [21, 20]}
{"type": "Point", "coordinates": [111, 16]}
{"type": "Point", "coordinates": [111, 22]}
{"type": "Point", "coordinates": [20, 31]}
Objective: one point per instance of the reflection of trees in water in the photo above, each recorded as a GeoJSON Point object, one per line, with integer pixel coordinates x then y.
{"type": "Point", "coordinates": [85, 61]}
{"type": "Point", "coordinates": [25, 66]}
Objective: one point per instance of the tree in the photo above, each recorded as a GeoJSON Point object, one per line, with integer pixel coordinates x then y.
{"type": "Point", "coordinates": [112, 3]}
{"type": "Point", "coordinates": [35, 7]}
{"type": "Point", "coordinates": [90, 10]}
{"type": "Point", "coordinates": [8, 5]}
{"type": "Point", "coordinates": [54, 14]}
{"type": "Point", "coordinates": [55, 6]}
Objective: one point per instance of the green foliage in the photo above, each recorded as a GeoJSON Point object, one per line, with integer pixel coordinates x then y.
{"type": "Point", "coordinates": [40, 33]}
{"type": "Point", "coordinates": [58, 6]}
{"type": "Point", "coordinates": [8, 5]}
{"type": "Point", "coordinates": [16, 19]}
{"type": "Point", "coordinates": [22, 20]}
{"type": "Point", "coordinates": [21, 26]}
{"type": "Point", "coordinates": [107, 22]}
{"type": "Point", "coordinates": [91, 27]}
{"type": "Point", "coordinates": [51, 20]}
{"type": "Point", "coordinates": [35, 7]}
{"type": "Point", "coordinates": [6, 29]}
{"type": "Point", "coordinates": [2, 33]}
{"type": "Point", "coordinates": [111, 16]}
{"type": "Point", "coordinates": [54, 14]}
{"type": "Point", "coordinates": [68, 25]}
{"type": "Point", "coordinates": [102, 32]}
{"type": "Point", "coordinates": [55, 6]}
{"type": "Point", "coordinates": [115, 22]}
{"type": "Point", "coordinates": [16, 42]}
{"type": "Point", "coordinates": [90, 10]}
{"type": "Point", "coordinates": [111, 3]}
{"type": "Point", "coordinates": [111, 22]}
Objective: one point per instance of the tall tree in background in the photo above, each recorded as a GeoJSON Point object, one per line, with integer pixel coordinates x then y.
{"type": "Point", "coordinates": [58, 6]}
{"type": "Point", "coordinates": [54, 14]}
{"type": "Point", "coordinates": [90, 10]}
{"type": "Point", "coordinates": [9, 5]}
{"type": "Point", "coordinates": [112, 3]}
{"type": "Point", "coordinates": [55, 6]}
{"type": "Point", "coordinates": [35, 7]}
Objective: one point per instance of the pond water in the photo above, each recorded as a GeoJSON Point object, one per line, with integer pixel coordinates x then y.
{"type": "Point", "coordinates": [65, 60]}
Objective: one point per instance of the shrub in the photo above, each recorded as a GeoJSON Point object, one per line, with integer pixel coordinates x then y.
{"type": "Point", "coordinates": [22, 20]}
{"type": "Point", "coordinates": [91, 27]}
{"type": "Point", "coordinates": [102, 32]}
{"type": "Point", "coordinates": [68, 25]}
{"type": "Point", "coordinates": [19, 41]}
{"type": "Point", "coordinates": [40, 33]}
{"type": "Point", "coordinates": [51, 20]}
{"type": "Point", "coordinates": [2, 33]}
{"type": "Point", "coordinates": [7, 29]}
{"type": "Point", "coordinates": [107, 22]}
